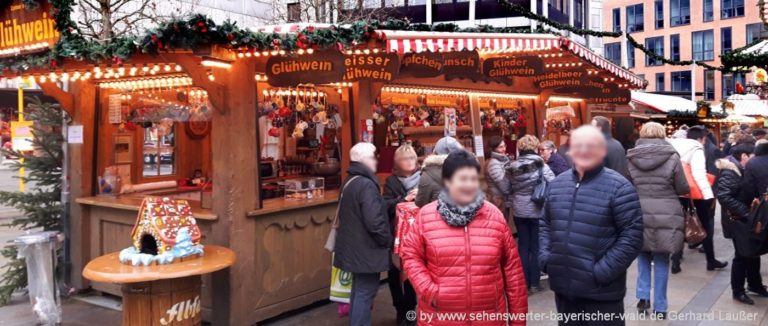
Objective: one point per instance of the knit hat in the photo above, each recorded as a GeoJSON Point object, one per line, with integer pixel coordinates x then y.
{"type": "Point", "coordinates": [447, 145]}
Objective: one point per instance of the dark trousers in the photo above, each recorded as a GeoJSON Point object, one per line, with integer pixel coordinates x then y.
{"type": "Point", "coordinates": [364, 289]}
{"type": "Point", "coordinates": [707, 217]}
{"type": "Point", "coordinates": [583, 308]}
{"type": "Point", "coordinates": [403, 295]}
{"type": "Point", "coordinates": [745, 268]}
{"type": "Point", "coordinates": [528, 247]}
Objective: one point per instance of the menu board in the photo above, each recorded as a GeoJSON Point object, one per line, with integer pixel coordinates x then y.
{"type": "Point", "coordinates": [114, 112]}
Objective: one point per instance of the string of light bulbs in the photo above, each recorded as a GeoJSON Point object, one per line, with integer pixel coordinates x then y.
{"type": "Point", "coordinates": [148, 83]}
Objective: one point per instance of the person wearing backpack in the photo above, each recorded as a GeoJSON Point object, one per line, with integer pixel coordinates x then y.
{"type": "Point", "coordinates": [737, 208]}
{"type": "Point", "coordinates": [524, 174]}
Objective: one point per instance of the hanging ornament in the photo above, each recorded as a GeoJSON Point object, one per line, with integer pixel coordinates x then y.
{"type": "Point", "coordinates": [274, 132]}
{"type": "Point", "coordinates": [739, 88]}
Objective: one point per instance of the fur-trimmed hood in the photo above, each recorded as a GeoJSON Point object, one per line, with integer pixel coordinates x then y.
{"type": "Point", "coordinates": [727, 164]}
{"type": "Point", "coordinates": [434, 160]}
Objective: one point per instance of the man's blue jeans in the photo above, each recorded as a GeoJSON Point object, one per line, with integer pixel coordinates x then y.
{"type": "Point", "coordinates": [364, 289]}
{"type": "Point", "coordinates": [660, 278]}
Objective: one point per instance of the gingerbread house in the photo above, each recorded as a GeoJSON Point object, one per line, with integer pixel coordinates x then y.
{"type": "Point", "coordinates": [156, 231]}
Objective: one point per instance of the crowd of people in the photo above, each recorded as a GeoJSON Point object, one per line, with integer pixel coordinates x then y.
{"type": "Point", "coordinates": [580, 214]}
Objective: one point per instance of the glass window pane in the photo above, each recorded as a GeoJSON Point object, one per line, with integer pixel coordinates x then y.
{"type": "Point", "coordinates": [674, 41]}
{"type": "Point", "coordinates": [158, 149]}
{"type": "Point", "coordinates": [725, 40]}
{"type": "Point", "coordinates": [660, 82]}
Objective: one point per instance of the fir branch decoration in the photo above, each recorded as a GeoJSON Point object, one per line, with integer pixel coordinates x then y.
{"type": "Point", "coordinates": [199, 30]}
{"type": "Point", "coordinates": [40, 205]}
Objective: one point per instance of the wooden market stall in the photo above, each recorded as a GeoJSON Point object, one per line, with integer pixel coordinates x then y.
{"type": "Point", "coordinates": [253, 129]}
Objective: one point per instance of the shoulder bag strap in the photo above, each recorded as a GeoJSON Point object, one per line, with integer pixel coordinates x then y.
{"type": "Point", "coordinates": [541, 174]}
{"type": "Point", "coordinates": [335, 224]}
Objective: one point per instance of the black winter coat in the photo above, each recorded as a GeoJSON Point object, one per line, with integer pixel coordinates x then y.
{"type": "Point", "coordinates": [591, 231]}
{"type": "Point", "coordinates": [730, 194]}
{"type": "Point", "coordinates": [616, 159]}
{"type": "Point", "coordinates": [394, 193]}
{"type": "Point", "coordinates": [364, 239]}
{"type": "Point", "coordinates": [755, 181]}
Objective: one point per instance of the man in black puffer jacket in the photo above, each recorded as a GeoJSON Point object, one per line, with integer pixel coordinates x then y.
{"type": "Point", "coordinates": [591, 231]}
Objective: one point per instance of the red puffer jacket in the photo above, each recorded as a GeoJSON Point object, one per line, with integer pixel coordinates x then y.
{"type": "Point", "coordinates": [473, 270]}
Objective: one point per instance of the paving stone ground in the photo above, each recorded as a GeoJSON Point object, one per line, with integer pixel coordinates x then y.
{"type": "Point", "coordinates": [695, 293]}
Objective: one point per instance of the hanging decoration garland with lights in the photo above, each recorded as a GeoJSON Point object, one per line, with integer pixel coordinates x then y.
{"type": "Point", "coordinates": [198, 31]}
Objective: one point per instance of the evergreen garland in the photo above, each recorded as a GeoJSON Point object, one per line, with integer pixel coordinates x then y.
{"type": "Point", "coordinates": [199, 30]}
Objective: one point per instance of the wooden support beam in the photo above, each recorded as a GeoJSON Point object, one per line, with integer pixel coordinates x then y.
{"type": "Point", "coordinates": [65, 99]}
{"type": "Point", "coordinates": [81, 172]}
{"type": "Point", "coordinates": [477, 127]}
{"type": "Point", "coordinates": [217, 92]}
{"type": "Point", "coordinates": [235, 193]}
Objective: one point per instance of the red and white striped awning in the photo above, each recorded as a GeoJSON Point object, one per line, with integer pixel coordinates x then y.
{"type": "Point", "coordinates": [408, 41]}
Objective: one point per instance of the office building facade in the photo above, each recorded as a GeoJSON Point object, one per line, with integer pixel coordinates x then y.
{"type": "Point", "coordinates": [700, 30]}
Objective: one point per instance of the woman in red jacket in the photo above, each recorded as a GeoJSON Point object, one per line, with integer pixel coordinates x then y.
{"type": "Point", "coordinates": [460, 256]}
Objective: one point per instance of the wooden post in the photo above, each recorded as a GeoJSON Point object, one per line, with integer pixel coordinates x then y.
{"type": "Point", "coordinates": [235, 192]}
{"type": "Point", "coordinates": [539, 114]}
{"type": "Point", "coordinates": [82, 161]}
{"type": "Point", "coordinates": [346, 133]}
{"type": "Point", "coordinates": [477, 127]}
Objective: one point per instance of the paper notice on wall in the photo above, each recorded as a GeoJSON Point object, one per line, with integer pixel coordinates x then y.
{"type": "Point", "coordinates": [115, 116]}
{"type": "Point", "coordinates": [479, 152]}
{"type": "Point", "coordinates": [21, 135]}
{"type": "Point", "coordinates": [75, 134]}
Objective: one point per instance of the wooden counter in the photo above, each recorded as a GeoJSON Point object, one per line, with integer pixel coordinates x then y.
{"type": "Point", "coordinates": [132, 203]}
{"type": "Point", "coordinates": [275, 205]}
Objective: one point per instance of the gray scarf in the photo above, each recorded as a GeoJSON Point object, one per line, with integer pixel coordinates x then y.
{"type": "Point", "coordinates": [456, 215]}
{"type": "Point", "coordinates": [410, 181]}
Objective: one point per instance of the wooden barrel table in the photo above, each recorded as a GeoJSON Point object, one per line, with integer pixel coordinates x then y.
{"type": "Point", "coordinates": [160, 295]}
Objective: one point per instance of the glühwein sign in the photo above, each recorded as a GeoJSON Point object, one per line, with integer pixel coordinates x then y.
{"type": "Point", "coordinates": [24, 29]}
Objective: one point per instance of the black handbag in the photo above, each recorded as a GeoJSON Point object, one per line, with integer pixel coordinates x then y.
{"type": "Point", "coordinates": [541, 190]}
